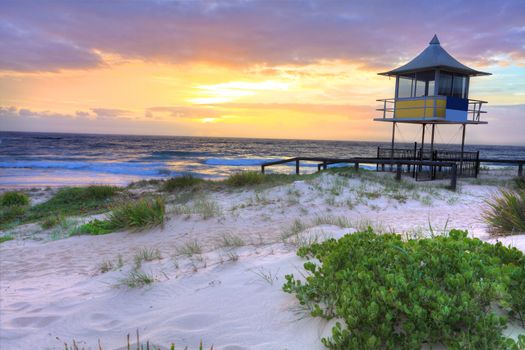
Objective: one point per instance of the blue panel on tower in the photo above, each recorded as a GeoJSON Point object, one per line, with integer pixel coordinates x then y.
{"type": "Point", "coordinates": [457, 103]}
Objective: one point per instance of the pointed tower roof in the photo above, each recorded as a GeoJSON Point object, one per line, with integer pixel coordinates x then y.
{"type": "Point", "coordinates": [433, 57]}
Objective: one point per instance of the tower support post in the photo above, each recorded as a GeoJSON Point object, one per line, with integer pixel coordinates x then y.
{"type": "Point", "coordinates": [462, 150]}
{"type": "Point", "coordinates": [393, 142]}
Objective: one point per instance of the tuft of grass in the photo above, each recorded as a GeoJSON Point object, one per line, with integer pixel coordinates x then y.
{"type": "Point", "coordinates": [75, 200]}
{"type": "Point", "coordinates": [297, 227]}
{"type": "Point", "coordinates": [519, 183]}
{"type": "Point", "coordinates": [506, 212]}
{"type": "Point", "coordinates": [13, 198]}
{"type": "Point", "coordinates": [96, 227]}
{"type": "Point", "coordinates": [51, 221]}
{"type": "Point", "coordinates": [204, 207]}
{"type": "Point", "coordinates": [109, 265]}
{"type": "Point", "coordinates": [146, 254]}
{"type": "Point", "coordinates": [339, 221]}
{"type": "Point", "coordinates": [190, 248]}
{"type": "Point", "coordinates": [229, 240]}
{"type": "Point", "coordinates": [139, 344]}
{"type": "Point", "coordinates": [181, 182]}
{"type": "Point", "coordinates": [245, 178]}
{"type": "Point", "coordinates": [137, 279]}
{"type": "Point", "coordinates": [141, 214]}
{"type": "Point", "coordinates": [266, 275]}
{"type": "Point", "coordinates": [6, 238]}
{"type": "Point", "coordinates": [11, 215]}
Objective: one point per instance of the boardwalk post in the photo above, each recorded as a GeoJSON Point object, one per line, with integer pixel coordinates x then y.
{"type": "Point", "coordinates": [520, 169]}
{"type": "Point", "coordinates": [324, 165]}
{"type": "Point", "coordinates": [356, 166]}
{"type": "Point", "coordinates": [262, 169]}
{"type": "Point", "coordinates": [297, 166]}
{"type": "Point", "coordinates": [398, 172]}
{"type": "Point", "coordinates": [454, 177]}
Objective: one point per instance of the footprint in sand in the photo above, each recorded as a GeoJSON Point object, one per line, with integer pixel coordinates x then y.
{"type": "Point", "coordinates": [18, 306]}
{"type": "Point", "coordinates": [34, 322]}
{"type": "Point", "coordinates": [195, 321]}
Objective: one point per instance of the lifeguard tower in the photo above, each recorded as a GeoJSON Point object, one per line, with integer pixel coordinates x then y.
{"type": "Point", "coordinates": [432, 89]}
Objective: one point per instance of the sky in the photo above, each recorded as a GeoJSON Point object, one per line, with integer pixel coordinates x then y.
{"type": "Point", "coordinates": [270, 68]}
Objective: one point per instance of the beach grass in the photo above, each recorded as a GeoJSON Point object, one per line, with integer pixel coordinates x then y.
{"type": "Point", "coordinates": [51, 221]}
{"type": "Point", "coordinates": [245, 178]}
{"type": "Point", "coordinates": [75, 201]}
{"type": "Point", "coordinates": [519, 183]}
{"type": "Point", "coordinates": [6, 238]}
{"type": "Point", "coordinates": [97, 227]}
{"type": "Point", "coordinates": [139, 345]}
{"type": "Point", "coordinates": [190, 248]}
{"type": "Point", "coordinates": [137, 279]}
{"type": "Point", "coordinates": [138, 214]}
{"type": "Point", "coordinates": [181, 183]}
{"type": "Point", "coordinates": [146, 254]}
{"type": "Point", "coordinates": [506, 212]}
{"type": "Point", "coordinates": [14, 198]}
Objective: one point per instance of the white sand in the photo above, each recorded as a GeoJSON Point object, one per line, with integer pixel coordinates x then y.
{"type": "Point", "coordinates": [53, 289]}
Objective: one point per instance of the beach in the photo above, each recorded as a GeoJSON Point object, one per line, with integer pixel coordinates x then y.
{"type": "Point", "coordinates": [218, 273]}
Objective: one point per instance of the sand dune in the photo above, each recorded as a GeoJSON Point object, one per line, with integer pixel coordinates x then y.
{"type": "Point", "coordinates": [231, 297]}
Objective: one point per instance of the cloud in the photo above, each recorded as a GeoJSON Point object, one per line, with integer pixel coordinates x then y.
{"type": "Point", "coordinates": [23, 49]}
{"type": "Point", "coordinates": [50, 35]}
{"type": "Point", "coordinates": [181, 112]}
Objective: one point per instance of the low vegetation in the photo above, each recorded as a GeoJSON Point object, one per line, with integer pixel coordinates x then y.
{"type": "Point", "coordinates": [96, 227]}
{"type": "Point", "coordinates": [75, 200]}
{"type": "Point", "coordinates": [181, 183]}
{"type": "Point", "coordinates": [137, 279]}
{"type": "Point", "coordinates": [138, 215]}
{"type": "Point", "coordinates": [51, 221]}
{"type": "Point", "coordinates": [146, 254]}
{"type": "Point", "coordinates": [386, 293]}
{"type": "Point", "coordinates": [506, 212]}
{"type": "Point", "coordinates": [190, 248]}
{"type": "Point", "coordinates": [147, 345]}
{"type": "Point", "coordinates": [519, 183]}
{"type": "Point", "coordinates": [110, 265]}
{"type": "Point", "coordinates": [6, 238]}
{"type": "Point", "coordinates": [245, 178]}
{"type": "Point", "coordinates": [13, 198]}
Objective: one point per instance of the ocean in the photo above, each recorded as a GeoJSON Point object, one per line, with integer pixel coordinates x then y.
{"type": "Point", "coordinates": [52, 159]}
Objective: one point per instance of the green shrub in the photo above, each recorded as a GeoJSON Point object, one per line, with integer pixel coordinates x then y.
{"type": "Point", "coordinates": [140, 214]}
{"type": "Point", "coordinates": [10, 199]}
{"type": "Point", "coordinates": [389, 294]}
{"type": "Point", "coordinates": [6, 238]}
{"type": "Point", "coordinates": [506, 212]}
{"type": "Point", "coordinates": [245, 178]}
{"type": "Point", "coordinates": [181, 182]}
{"type": "Point", "coordinates": [97, 227]}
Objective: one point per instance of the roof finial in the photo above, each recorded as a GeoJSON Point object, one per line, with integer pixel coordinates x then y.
{"type": "Point", "coordinates": [435, 40]}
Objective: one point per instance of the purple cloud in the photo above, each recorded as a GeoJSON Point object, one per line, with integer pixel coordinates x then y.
{"type": "Point", "coordinates": [380, 33]}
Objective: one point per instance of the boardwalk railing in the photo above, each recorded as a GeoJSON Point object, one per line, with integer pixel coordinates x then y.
{"type": "Point", "coordinates": [324, 162]}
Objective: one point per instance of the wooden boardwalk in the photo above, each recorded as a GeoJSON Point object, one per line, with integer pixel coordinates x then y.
{"type": "Point", "coordinates": [398, 163]}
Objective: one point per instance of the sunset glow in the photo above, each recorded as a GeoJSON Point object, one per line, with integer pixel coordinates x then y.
{"type": "Point", "coordinates": [232, 69]}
